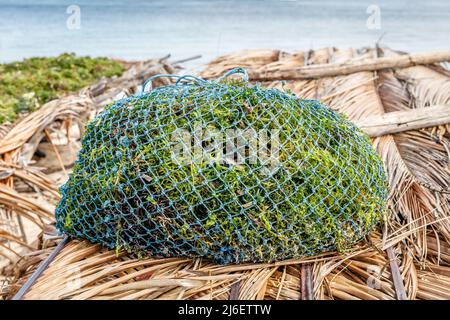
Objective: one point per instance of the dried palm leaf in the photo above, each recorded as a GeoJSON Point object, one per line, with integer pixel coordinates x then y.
{"type": "Point", "coordinates": [416, 230]}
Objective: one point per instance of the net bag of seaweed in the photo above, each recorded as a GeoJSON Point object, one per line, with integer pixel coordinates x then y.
{"type": "Point", "coordinates": [225, 170]}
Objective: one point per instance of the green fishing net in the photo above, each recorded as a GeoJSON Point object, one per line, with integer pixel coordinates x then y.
{"type": "Point", "coordinates": [224, 170]}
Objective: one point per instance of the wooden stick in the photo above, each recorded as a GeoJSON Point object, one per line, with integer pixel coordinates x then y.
{"type": "Point", "coordinates": [234, 290]}
{"type": "Point", "coordinates": [306, 285]}
{"type": "Point", "coordinates": [55, 150]}
{"type": "Point", "coordinates": [399, 121]}
{"type": "Point", "coordinates": [31, 280]}
{"type": "Point", "coordinates": [198, 56]}
{"type": "Point", "coordinates": [339, 69]}
{"type": "Point", "coordinates": [396, 275]}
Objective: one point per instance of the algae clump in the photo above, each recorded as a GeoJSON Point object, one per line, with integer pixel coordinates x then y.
{"type": "Point", "coordinates": [28, 84]}
{"type": "Point", "coordinates": [325, 192]}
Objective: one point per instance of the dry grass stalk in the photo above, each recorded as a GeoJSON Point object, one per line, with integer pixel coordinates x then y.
{"type": "Point", "coordinates": [417, 228]}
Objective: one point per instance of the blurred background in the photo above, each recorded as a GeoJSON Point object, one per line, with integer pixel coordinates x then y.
{"type": "Point", "coordinates": [141, 29]}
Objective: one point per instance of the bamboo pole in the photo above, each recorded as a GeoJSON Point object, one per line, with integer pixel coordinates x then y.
{"type": "Point", "coordinates": [400, 121]}
{"type": "Point", "coordinates": [339, 69]}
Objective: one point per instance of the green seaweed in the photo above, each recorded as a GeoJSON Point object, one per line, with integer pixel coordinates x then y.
{"type": "Point", "coordinates": [328, 192]}
{"type": "Point", "coordinates": [28, 84]}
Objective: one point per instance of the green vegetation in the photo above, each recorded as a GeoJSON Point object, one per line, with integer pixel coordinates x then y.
{"type": "Point", "coordinates": [26, 85]}
{"type": "Point", "coordinates": [127, 191]}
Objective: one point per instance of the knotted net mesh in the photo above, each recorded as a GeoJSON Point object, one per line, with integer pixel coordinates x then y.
{"type": "Point", "coordinates": [225, 170]}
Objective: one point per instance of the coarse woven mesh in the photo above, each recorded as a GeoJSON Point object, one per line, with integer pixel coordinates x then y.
{"type": "Point", "coordinates": [162, 174]}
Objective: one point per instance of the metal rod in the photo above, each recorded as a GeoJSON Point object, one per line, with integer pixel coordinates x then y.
{"type": "Point", "coordinates": [44, 264]}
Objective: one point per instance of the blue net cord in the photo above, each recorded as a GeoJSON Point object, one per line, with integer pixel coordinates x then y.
{"type": "Point", "coordinates": [225, 170]}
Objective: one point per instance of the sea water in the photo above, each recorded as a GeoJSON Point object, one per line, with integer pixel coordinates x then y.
{"type": "Point", "coordinates": [145, 29]}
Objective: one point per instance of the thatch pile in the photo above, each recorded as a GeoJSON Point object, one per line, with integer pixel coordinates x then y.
{"type": "Point", "coordinates": [407, 258]}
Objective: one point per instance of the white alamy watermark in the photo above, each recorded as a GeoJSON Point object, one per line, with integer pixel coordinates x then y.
{"type": "Point", "coordinates": [73, 277]}
{"type": "Point", "coordinates": [373, 22]}
{"type": "Point", "coordinates": [231, 147]}
{"type": "Point", "coordinates": [73, 22]}
{"type": "Point", "coordinates": [374, 279]}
